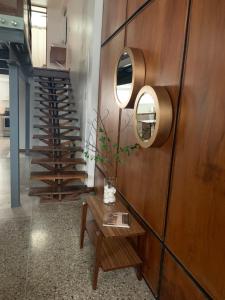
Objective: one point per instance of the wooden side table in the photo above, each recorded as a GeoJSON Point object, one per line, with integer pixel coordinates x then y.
{"type": "Point", "coordinates": [112, 247]}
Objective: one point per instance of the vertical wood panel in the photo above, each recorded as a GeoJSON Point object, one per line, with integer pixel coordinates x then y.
{"type": "Point", "coordinates": [108, 108]}
{"type": "Point", "coordinates": [196, 222]}
{"type": "Point", "coordinates": [176, 285]}
{"type": "Point", "coordinates": [99, 183]}
{"type": "Point", "coordinates": [143, 179]}
{"type": "Point", "coordinates": [12, 7]}
{"type": "Point", "coordinates": [133, 6]}
{"type": "Point", "coordinates": [114, 15]}
{"type": "Point", "coordinates": [152, 259]}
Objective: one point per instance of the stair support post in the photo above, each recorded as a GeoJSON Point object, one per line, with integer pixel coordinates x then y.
{"type": "Point", "coordinates": [27, 116]}
{"type": "Point", "coordinates": [14, 131]}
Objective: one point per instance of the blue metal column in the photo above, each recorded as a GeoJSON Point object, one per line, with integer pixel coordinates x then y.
{"type": "Point", "coordinates": [14, 131]}
{"type": "Point", "coordinates": [27, 116]}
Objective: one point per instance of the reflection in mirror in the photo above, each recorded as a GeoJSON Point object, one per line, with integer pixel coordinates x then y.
{"type": "Point", "coordinates": [146, 117]}
{"type": "Point", "coordinates": [124, 78]}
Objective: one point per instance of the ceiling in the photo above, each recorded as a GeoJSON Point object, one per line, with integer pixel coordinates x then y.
{"type": "Point", "coordinates": [40, 2]}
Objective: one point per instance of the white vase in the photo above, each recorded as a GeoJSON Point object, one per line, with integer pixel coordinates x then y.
{"type": "Point", "coordinates": [109, 191]}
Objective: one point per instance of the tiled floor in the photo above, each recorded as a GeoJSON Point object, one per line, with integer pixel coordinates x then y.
{"type": "Point", "coordinates": [40, 256]}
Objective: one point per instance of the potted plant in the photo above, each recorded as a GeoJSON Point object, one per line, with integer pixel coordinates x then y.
{"type": "Point", "coordinates": [107, 154]}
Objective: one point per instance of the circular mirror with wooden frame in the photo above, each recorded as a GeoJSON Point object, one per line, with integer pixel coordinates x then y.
{"type": "Point", "coordinates": [153, 115]}
{"type": "Point", "coordinates": [129, 76]}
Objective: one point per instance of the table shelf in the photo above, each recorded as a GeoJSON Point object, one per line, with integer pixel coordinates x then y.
{"type": "Point", "coordinates": [116, 253]}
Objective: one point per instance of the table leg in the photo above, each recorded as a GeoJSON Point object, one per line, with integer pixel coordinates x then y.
{"type": "Point", "coordinates": [97, 259]}
{"type": "Point", "coordinates": [141, 244]}
{"type": "Point", "coordinates": [139, 272]}
{"type": "Point", "coordinates": [83, 224]}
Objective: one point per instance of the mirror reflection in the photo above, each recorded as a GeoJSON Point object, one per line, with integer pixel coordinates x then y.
{"type": "Point", "coordinates": [146, 117]}
{"type": "Point", "coordinates": [124, 78]}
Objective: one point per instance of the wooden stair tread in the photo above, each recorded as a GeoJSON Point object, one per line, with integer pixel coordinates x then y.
{"type": "Point", "coordinates": [60, 161]}
{"type": "Point", "coordinates": [67, 82]}
{"type": "Point", "coordinates": [53, 101]}
{"type": "Point", "coordinates": [49, 94]}
{"type": "Point", "coordinates": [56, 118]}
{"type": "Point", "coordinates": [53, 88]}
{"type": "Point", "coordinates": [59, 137]}
{"type": "Point", "coordinates": [56, 109]}
{"type": "Point", "coordinates": [57, 127]}
{"type": "Point", "coordinates": [65, 97]}
{"type": "Point", "coordinates": [66, 190]}
{"type": "Point", "coordinates": [56, 149]}
{"type": "Point", "coordinates": [49, 175]}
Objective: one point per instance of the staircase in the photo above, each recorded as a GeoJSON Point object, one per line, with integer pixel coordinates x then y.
{"type": "Point", "coordinates": [58, 156]}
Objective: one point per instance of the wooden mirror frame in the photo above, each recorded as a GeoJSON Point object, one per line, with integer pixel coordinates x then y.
{"type": "Point", "coordinates": [138, 76]}
{"type": "Point", "coordinates": [164, 116]}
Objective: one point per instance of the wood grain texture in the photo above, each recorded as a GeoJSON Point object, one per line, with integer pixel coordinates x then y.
{"type": "Point", "coordinates": [13, 7]}
{"type": "Point", "coordinates": [108, 108]}
{"type": "Point", "coordinates": [99, 209]}
{"type": "Point", "coordinates": [99, 183]}
{"type": "Point", "coordinates": [196, 221]}
{"type": "Point", "coordinates": [151, 254]}
{"type": "Point", "coordinates": [117, 254]}
{"type": "Point", "coordinates": [45, 175]}
{"type": "Point", "coordinates": [176, 285]}
{"type": "Point", "coordinates": [151, 261]}
{"type": "Point", "coordinates": [143, 178]}
{"type": "Point", "coordinates": [114, 15]}
{"type": "Point", "coordinates": [133, 6]}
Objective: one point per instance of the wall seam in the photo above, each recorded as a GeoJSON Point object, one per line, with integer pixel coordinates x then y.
{"type": "Point", "coordinates": [177, 118]}
{"type": "Point", "coordinates": [127, 21]}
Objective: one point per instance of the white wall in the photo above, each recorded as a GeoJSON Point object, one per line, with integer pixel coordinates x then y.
{"type": "Point", "coordinates": [4, 98]}
{"type": "Point", "coordinates": [56, 29]}
{"type": "Point", "coordinates": [4, 87]}
{"type": "Point", "coordinates": [5, 103]}
{"type": "Point", "coordinates": [84, 44]}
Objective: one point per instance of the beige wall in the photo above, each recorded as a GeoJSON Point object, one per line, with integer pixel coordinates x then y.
{"type": "Point", "coordinates": [84, 40]}
{"type": "Point", "coordinates": [56, 26]}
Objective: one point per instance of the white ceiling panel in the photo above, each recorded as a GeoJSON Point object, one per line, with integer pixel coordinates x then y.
{"type": "Point", "coordinates": [43, 3]}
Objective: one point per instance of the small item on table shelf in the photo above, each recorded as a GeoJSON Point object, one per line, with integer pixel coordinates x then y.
{"type": "Point", "coordinates": [109, 194]}
{"type": "Point", "coordinates": [116, 219]}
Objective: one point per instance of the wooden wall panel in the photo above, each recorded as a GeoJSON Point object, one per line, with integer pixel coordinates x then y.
{"type": "Point", "coordinates": [196, 223]}
{"type": "Point", "coordinates": [114, 15]}
{"type": "Point", "coordinates": [108, 108]}
{"type": "Point", "coordinates": [12, 7]}
{"type": "Point", "coordinates": [152, 259]}
{"type": "Point", "coordinates": [176, 285]}
{"type": "Point", "coordinates": [99, 183]}
{"type": "Point", "coordinates": [133, 6]}
{"type": "Point", "coordinates": [143, 179]}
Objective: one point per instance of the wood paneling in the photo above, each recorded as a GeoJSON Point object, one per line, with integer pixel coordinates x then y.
{"type": "Point", "coordinates": [152, 259]}
{"type": "Point", "coordinates": [133, 6]}
{"type": "Point", "coordinates": [114, 15]}
{"type": "Point", "coordinates": [108, 108]}
{"type": "Point", "coordinates": [99, 183]}
{"type": "Point", "coordinates": [196, 222]}
{"type": "Point", "coordinates": [143, 179]}
{"type": "Point", "coordinates": [12, 7]}
{"type": "Point", "coordinates": [176, 285]}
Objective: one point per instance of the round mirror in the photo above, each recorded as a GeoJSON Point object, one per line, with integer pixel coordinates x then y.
{"type": "Point", "coordinates": [152, 116]}
{"type": "Point", "coordinates": [129, 76]}
{"type": "Point", "coordinates": [146, 117]}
